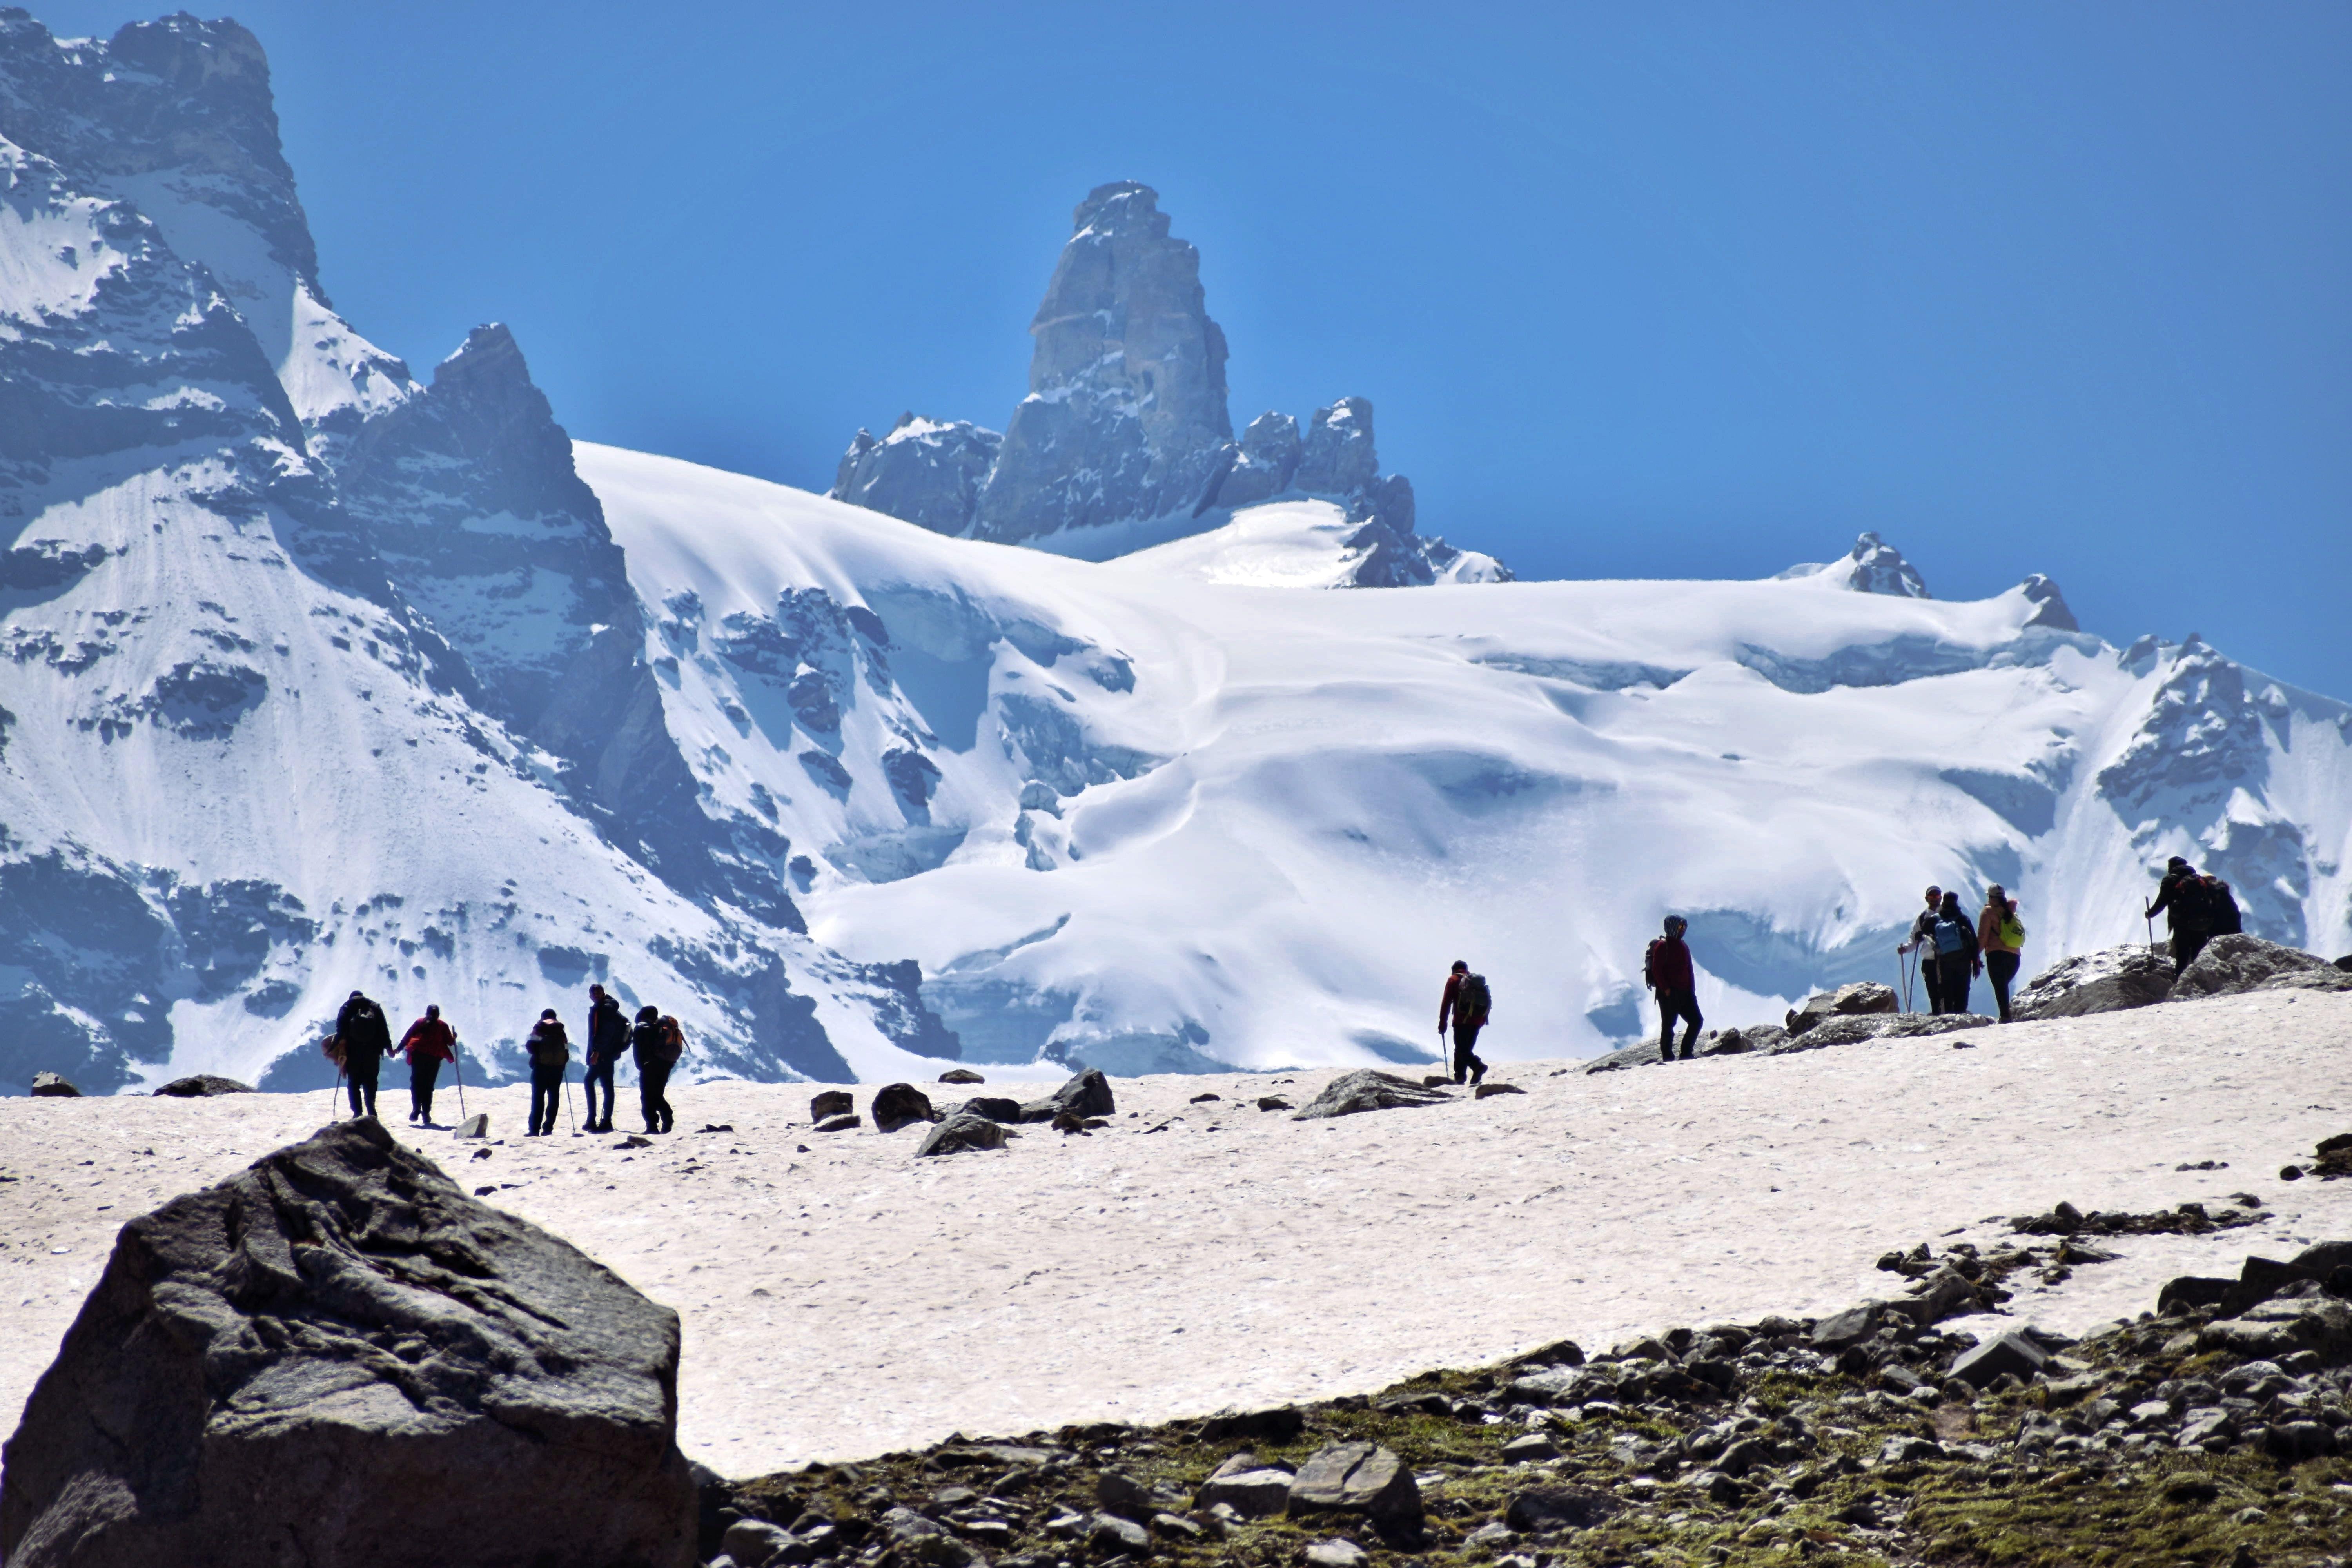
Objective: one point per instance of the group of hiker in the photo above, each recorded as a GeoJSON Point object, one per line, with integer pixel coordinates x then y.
{"type": "Point", "coordinates": [654, 1042]}
{"type": "Point", "coordinates": [1952, 948]}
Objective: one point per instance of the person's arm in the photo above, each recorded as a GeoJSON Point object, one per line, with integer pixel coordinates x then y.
{"type": "Point", "coordinates": [2164, 892]}
{"type": "Point", "coordinates": [1446, 1002]}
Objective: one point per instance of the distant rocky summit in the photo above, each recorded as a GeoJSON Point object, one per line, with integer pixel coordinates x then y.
{"type": "Point", "coordinates": [1126, 424]}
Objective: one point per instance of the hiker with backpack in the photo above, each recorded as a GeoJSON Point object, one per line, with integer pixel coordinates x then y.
{"type": "Point", "coordinates": [1923, 943]}
{"type": "Point", "coordinates": [367, 1040]}
{"type": "Point", "coordinates": [656, 1043]}
{"type": "Point", "coordinates": [1953, 938]}
{"type": "Point", "coordinates": [428, 1043]}
{"type": "Point", "coordinates": [2000, 935]}
{"type": "Point", "coordinates": [2197, 906]}
{"type": "Point", "coordinates": [1666, 970]}
{"type": "Point", "coordinates": [549, 1050]}
{"type": "Point", "coordinates": [608, 1037]}
{"type": "Point", "coordinates": [1467, 1004]}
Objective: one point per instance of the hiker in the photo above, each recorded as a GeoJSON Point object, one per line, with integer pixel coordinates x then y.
{"type": "Point", "coordinates": [656, 1043]}
{"type": "Point", "coordinates": [2197, 906]}
{"type": "Point", "coordinates": [1666, 970]}
{"type": "Point", "coordinates": [608, 1037]}
{"type": "Point", "coordinates": [428, 1043]}
{"type": "Point", "coordinates": [549, 1050]}
{"type": "Point", "coordinates": [367, 1040]}
{"type": "Point", "coordinates": [1922, 941]}
{"type": "Point", "coordinates": [1954, 944]}
{"type": "Point", "coordinates": [1468, 1004]}
{"type": "Point", "coordinates": [2000, 934]}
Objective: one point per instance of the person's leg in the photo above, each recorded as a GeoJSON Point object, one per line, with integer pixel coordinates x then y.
{"type": "Point", "coordinates": [1665, 1025]}
{"type": "Point", "coordinates": [650, 1097]}
{"type": "Point", "coordinates": [661, 1097]}
{"type": "Point", "coordinates": [352, 1087]}
{"type": "Point", "coordinates": [1931, 975]}
{"type": "Point", "coordinates": [1691, 1014]}
{"type": "Point", "coordinates": [588, 1091]}
{"type": "Point", "coordinates": [1956, 983]}
{"type": "Point", "coordinates": [421, 1079]}
{"type": "Point", "coordinates": [2186, 945]}
{"type": "Point", "coordinates": [1466, 1056]}
{"type": "Point", "coordinates": [539, 1100]}
{"type": "Point", "coordinates": [2001, 968]}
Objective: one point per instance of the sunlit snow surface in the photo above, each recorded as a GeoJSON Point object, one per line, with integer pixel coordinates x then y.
{"type": "Point", "coordinates": [1261, 819]}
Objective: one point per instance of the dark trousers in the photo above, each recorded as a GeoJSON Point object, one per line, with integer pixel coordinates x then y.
{"type": "Point", "coordinates": [1674, 1004]}
{"type": "Point", "coordinates": [546, 1089]}
{"type": "Point", "coordinates": [601, 1073]}
{"type": "Point", "coordinates": [1953, 989]}
{"type": "Point", "coordinates": [421, 1074]}
{"type": "Point", "coordinates": [2186, 946]}
{"type": "Point", "coordinates": [652, 1078]}
{"type": "Point", "coordinates": [359, 1079]}
{"type": "Point", "coordinates": [2001, 968]}
{"type": "Point", "coordinates": [1467, 1064]}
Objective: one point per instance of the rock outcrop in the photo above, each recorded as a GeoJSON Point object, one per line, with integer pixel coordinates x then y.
{"type": "Point", "coordinates": [203, 1086]}
{"type": "Point", "coordinates": [926, 471]}
{"type": "Point", "coordinates": [1864, 996]}
{"type": "Point", "coordinates": [2230, 966]}
{"type": "Point", "coordinates": [1874, 567]}
{"type": "Point", "coordinates": [2106, 981]}
{"type": "Point", "coordinates": [337, 1356]}
{"type": "Point", "coordinates": [1368, 1089]}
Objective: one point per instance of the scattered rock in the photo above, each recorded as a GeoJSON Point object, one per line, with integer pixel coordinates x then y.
{"type": "Point", "coordinates": [2107, 981]}
{"type": "Point", "coordinates": [1359, 1479]}
{"type": "Point", "coordinates": [2335, 1157]}
{"type": "Point", "coordinates": [716, 1127]}
{"type": "Point", "coordinates": [1556, 1507]}
{"type": "Point", "coordinates": [1368, 1089]}
{"type": "Point", "coordinates": [830, 1103]}
{"type": "Point", "coordinates": [1272, 1102]}
{"type": "Point", "coordinates": [995, 1107]}
{"type": "Point", "coordinates": [1124, 1495]}
{"type": "Point", "coordinates": [1110, 1534]}
{"type": "Point", "coordinates": [1489, 1090]}
{"type": "Point", "coordinates": [2011, 1352]}
{"type": "Point", "coordinates": [961, 1075]}
{"type": "Point", "coordinates": [1335, 1554]}
{"type": "Point", "coordinates": [340, 1322]}
{"type": "Point", "coordinates": [1851, 1028]}
{"type": "Point", "coordinates": [1275, 1423]}
{"type": "Point", "coordinates": [50, 1086]}
{"type": "Point", "coordinates": [845, 1123]}
{"type": "Point", "coordinates": [203, 1086]}
{"type": "Point", "coordinates": [2233, 964]}
{"type": "Point", "coordinates": [1088, 1094]}
{"type": "Point", "coordinates": [634, 1142]}
{"type": "Point", "coordinates": [963, 1134]}
{"type": "Point", "coordinates": [897, 1105]}
{"type": "Point", "coordinates": [1250, 1488]}
{"type": "Point", "coordinates": [1863, 996]}
{"type": "Point", "coordinates": [1204, 1098]}
{"type": "Point", "coordinates": [1534, 1446]}
{"type": "Point", "coordinates": [474, 1126]}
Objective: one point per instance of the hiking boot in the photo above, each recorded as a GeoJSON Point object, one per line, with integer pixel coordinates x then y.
{"type": "Point", "coordinates": [1478, 1075]}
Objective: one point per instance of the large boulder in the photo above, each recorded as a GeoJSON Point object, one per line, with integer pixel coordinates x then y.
{"type": "Point", "coordinates": [336, 1356]}
{"type": "Point", "coordinates": [1860, 998]}
{"type": "Point", "coordinates": [897, 1105]}
{"type": "Point", "coordinates": [1087, 1094]}
{"type": "Point", "coordinates": [1361, 1479]}
{"type": "Point", "coordinates": [50, 1086]}
{"type": "Point", "coordinates": [2107, 981]}
{"type": "Point", "coordinates": [203, 1086]}
{"type": "Point", "coordinates": [1368, 1089]}
{"type": "Point", "coordinates": [963, 1134]}
{"type": "Point", "coordinates": [2230, 965]}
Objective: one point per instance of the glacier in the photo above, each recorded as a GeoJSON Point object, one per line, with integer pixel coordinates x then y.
{"type": "Point", "coordinates": [319, 675]}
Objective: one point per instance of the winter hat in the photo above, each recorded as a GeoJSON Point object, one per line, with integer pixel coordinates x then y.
{"type": "Point", "coordinates": [648, 1013]}
{"type": "Point", "coordinates": [546, 1014]}
{"type": "Point", "coordinates": [1461, 966]}
{"type": "Point", "coordinates": [432, 1009]}
{"type": "Point", "coordinates": [2175, 863]}
{"type": "Point", "coordinates": [1676, 923]}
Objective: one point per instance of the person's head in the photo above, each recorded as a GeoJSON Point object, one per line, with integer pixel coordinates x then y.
{"type": "Point", "coordinates": [432, 1009]}
{"type": "Point", "coordinates": [357, 996]}
{"type": "Point", "coordinates": [1935, 895]}
{"type": "Point", "coordinates": [2175, 864]}
{"type": "Point", "coordinates": [1461, 966]}
{"type": "Point", "coordinates": [648, 1013]}
{"type": "Point", "coordinates": [1676, 925]}
{"type": "Point", "coordinates": [547, 1015]}
{"type": "Point", "coordinates": [596, 993]}
{"type": "Point", "coordinates": [1951, 905]}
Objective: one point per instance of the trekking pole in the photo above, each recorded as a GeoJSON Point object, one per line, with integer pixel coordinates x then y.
{"type": "Point", "coordinates": [335, 1097]}
{"type": "Point", "coordinates": [459, 1068]}
{"type": "Point", "coordinates": [568, 1121]}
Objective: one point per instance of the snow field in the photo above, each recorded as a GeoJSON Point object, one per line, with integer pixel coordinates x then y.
{"type": "Point", "coordinates": [850, 1300]}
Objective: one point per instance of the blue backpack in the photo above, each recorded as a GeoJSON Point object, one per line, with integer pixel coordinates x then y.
{"type": "Point", "coordinates": [1951, 936]}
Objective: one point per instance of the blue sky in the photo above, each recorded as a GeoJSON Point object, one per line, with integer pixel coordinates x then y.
{"type": "Point", "coordinates": [1637, 289]}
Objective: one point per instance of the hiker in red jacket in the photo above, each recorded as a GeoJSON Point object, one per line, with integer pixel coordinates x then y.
{"type": "Point", "coordinates": [1467, 1006]}
{"type": "Point", "coordinates": [1666, 969]}
{"type": "Point", "coordinates": [428, 1043]}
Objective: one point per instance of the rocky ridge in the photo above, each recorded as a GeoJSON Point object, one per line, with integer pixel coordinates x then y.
{"type": "Point", "coordinates": [1126, 423]}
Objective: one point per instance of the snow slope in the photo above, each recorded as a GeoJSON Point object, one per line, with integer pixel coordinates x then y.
{"type": "Point", "coordinates": [852, 1300]}
{"type": "Point", "coordinates": [1184, 819]}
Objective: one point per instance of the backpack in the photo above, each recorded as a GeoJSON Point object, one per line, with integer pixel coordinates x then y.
{"type": "Point", "coordinates": [549, 1050]}
{"type": "Point", "coordinates": [2222, 915]}
{"type": "Point", "coordinates": [1951, 936]}
{"type": "Point", "coordinates": [331, 1047]}
{"type": "Point", "coordinates": [2013, 930]}
{"type": "Point", "coordinates": [1474, 999]}
{"type": "Point", "coordinates": [1650, 961]}
{"type": "Point", "coordinates": [673, 1042]}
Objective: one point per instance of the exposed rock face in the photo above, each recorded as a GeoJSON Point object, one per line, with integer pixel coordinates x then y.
{"type": "Point", "coordinates": [1338, 459]}
{"type": "Point", "coordinates": [2107, 981]}
{"type": "Point", "coordinates": [1368, 1089]}
{"type": "Point", "coordinates": [1861, 998]}
{"type": "Point", "coordinates": [924, 470]}
{"type": "Point", "coordinates": [1268, 461]}
{"type": "Point", "coordinates": [52, 1085]}
{"type": "Point", "coordinates": [1085, 1094]}
{"type": "Point", "coordinates": [2227, 965]}
{"type": "Point", "coordinates": [337, 1356]}
{"type": "Point", "coordinates": [963, 1132]}
{"type": "Point", "coordinates": [1874, 567]}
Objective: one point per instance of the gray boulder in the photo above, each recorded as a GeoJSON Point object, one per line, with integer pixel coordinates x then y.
{"type": "Point", "coordinates": [961, 1075]}
{"type": "Point", "coordinates": [995, 1107]}
{"type": "Point", "coordinates": [830, 1103]}
{"type": "Point", "coordinates": [961, 1133]}
{"type": "Point", "coordinates": [1250, 1488]}
{"type": "Point", "coordinates": [1848, 1029]}
{"type": "Point", "coordinates": [203, 1086]}
{"type": "Point", "coordinates": [1361, 1479]}
{"type": "Point", "coordinates": [849, 1121]}
{"type": "Point", "coordinates": [926, 471]}
{"type": "Point", "coordinates": [1862, 998]}
{"type": "Point", "coordinates": [269, 1363]}
{"type": "Point", "coordinates": [2013, 1353]}
{"type": "Point", "coordinates": [1087, 1094]}
{"type": "Point", "coordinates": [2234, 964]}
{"type": "Point", "coordinates": [50, 1086]}
{"type": "Point", "coordinates": [2107, 981]}
{"type": "Point", "coordinates": [1269, 458]}
{"type": "Point", "coordinates": [897, 1105]}
{"type": "Point", "coordinates": [1367, 1088]}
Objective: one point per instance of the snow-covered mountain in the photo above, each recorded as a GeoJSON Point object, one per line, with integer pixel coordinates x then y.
{"type": "Point", "coordinates": [318, 676]}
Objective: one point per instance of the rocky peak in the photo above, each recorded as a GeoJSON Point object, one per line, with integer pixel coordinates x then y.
{"type": "Point", "coordinates": [2050, 605]}
{"type": "Point", "coordinates": [1873, 566]}
{"type": "Point", "coordinates": [494, 418]}
{"type": "Point", "coordinates": [927, 471]}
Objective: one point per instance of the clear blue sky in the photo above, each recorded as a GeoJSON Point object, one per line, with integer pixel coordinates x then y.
{"type": "Point", "coordinates": [1637, 289]}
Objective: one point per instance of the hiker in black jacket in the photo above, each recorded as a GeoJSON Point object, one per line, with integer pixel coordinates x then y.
{"type": "Point", "coordinates": [2190, 904]}
{"type": "Point", "coordinates": [654, 1050]}
{"type": "Point", "coordinates": [608, 1037]}
{"type": "Point", "coordinates": [549, 1050]}
{"type": "Point", "coordinates": [1466, 1004]}
{"type": "Point", "coordinates": [367, 1040]}
{"type": "Point", "coordinates": [1952, 942]}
